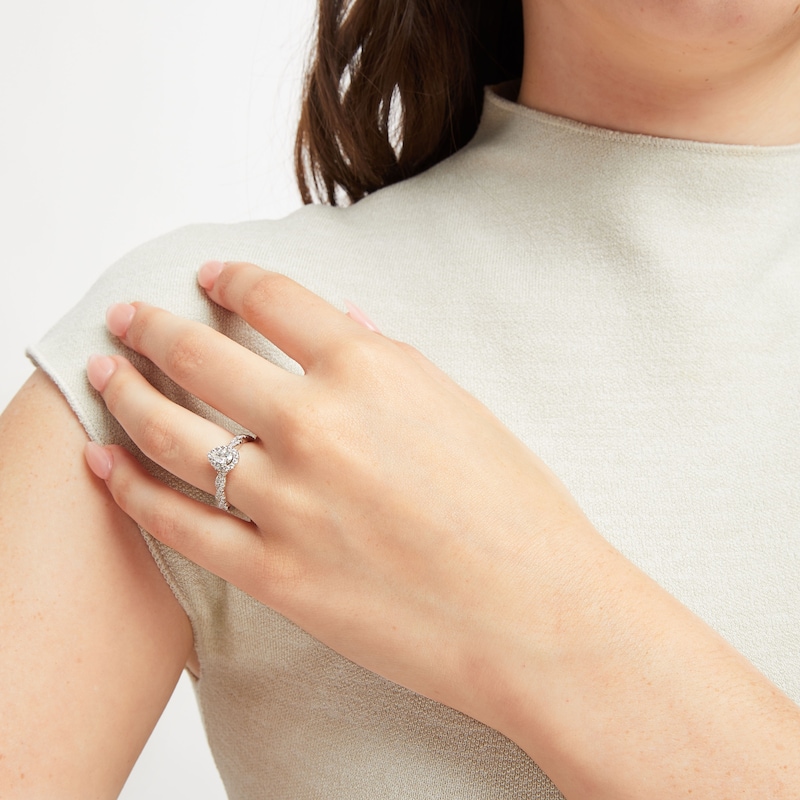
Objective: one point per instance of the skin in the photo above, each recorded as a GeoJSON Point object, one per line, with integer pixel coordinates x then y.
{"type": "Point", "coordinates": [80, 586]}
{"type": "Point", "coordinates": [93, 640]}
{"type": "Point", "coordinates": [611, 685]}
{"type": "Point", "coordinates": [688, 69]}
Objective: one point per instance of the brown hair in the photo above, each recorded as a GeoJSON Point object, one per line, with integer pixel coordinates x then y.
{"type": "Point", "coordinates": [395, 86]}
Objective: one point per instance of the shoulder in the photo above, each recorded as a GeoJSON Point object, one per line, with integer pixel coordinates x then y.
{"type": "Point", "coordinates": [381, 252]}
{"type": "Point", "coordinates": [315, 245]}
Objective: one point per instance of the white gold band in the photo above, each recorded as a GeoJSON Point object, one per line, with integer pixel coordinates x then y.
{"type": "Point", "coordinates": [224, 458]}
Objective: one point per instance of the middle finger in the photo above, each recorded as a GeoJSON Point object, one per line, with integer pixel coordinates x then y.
{"type": "Point", "coordinates": [234, 380]}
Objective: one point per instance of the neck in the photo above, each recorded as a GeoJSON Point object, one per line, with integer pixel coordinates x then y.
{"type": "Point", "coordinates": [705, 81]}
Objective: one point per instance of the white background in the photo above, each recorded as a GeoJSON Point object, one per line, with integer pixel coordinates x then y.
{"type": "Point", "coordinates": [119, 122]}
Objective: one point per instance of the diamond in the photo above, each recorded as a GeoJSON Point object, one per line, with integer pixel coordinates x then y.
{"type": "Point", "coordinates": [223, 458]}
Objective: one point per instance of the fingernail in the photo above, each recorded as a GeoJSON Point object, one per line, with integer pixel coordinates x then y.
{"type": "Point", "coordinates": [99, 460]}
{"type": "Point", "coordinates": [359, 316]}
{"type": "Point", "coordinates": [207, 274]}
{"type": "Point", "coordinates": [118, 318]}
{"type": "Point", "coordinates": [99, 369]}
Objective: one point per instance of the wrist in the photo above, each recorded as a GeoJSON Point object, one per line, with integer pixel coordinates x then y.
{"type": "Point", "coordinates": [522, 665]}
{"type": "Point", "coordinates": [625, 693]}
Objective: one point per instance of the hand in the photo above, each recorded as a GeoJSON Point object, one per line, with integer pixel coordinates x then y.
{"type": "Point", "coordinates": [393, 516]}
{"type": "Point", "coordinates": [395, 519]}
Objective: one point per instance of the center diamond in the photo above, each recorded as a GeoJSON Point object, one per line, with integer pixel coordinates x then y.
{"type": "Point", "coordinates": [223, 458]}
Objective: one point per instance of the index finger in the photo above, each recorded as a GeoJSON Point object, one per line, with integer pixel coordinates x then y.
{"type": "Point", "coordinates": [292, 317]}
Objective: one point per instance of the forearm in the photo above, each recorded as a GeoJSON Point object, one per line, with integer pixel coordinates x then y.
{"type": "Point", "coordinates": [626, 694]}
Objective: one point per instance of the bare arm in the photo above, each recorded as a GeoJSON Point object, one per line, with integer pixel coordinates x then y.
{"type": "Point", "coordinates": [93, 641]}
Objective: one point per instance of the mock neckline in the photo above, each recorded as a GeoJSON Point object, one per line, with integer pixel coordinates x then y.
{"type": "Point", "coordinates": [676, 205]}
{"type": "Point", "coordinates": [500, 101]}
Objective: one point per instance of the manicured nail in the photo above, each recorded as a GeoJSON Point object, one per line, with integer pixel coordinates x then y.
{"type": "Point", "coordinates": [359, 316]}
{"type": "Point", "coordinates": [118, 318]}
{"type": "Point", "coordinates": [99, 460]}
{"type": "Point", "coordinates": [99, 370]}
{"type": "Point", "coordinates": [207, 274]}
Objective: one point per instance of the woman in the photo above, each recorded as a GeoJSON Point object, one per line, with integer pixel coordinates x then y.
{"type": "Point", "coordinates": [610, 266]}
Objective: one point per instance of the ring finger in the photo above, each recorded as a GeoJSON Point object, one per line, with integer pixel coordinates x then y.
{"type": "Point", "coordinates": [168, 434]}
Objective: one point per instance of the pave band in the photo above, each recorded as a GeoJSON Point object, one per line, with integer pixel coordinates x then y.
{"type": "Point", "coordinates": [224, 458]}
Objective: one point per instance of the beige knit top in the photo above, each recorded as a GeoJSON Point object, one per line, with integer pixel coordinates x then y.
{"type": "Point", "coordinates": [629, 306]}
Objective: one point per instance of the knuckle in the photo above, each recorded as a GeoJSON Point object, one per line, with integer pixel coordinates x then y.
{"type": "Point", "coordinates": [267, 291]}
{"type": "Point", "coordinates": [122, 490]}
{"type": "Point", "coordinates": [157, 438]}
{"type": "Point", "coordinates": [365, 354]}
{"type": "Point", "coordinates": [364, 365]}
{"type": "Point", "coordinates": [137, 332]}
{"type": "Point", "coordinates": [114, 391]}
{"type": "Point", "coordinates": [184, 357]}
{"type": "Point", "coordinates": [304, 429]}
{"type": "Point", "coordinates": [409, 349]}
{"type": "Point", "coordinates": [163, 520]}
{"type": "Point", "coordinates": [226, 278]}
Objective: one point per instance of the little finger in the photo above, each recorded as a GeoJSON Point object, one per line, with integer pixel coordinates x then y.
{"type": "Point", "coordinates": [221, 543]}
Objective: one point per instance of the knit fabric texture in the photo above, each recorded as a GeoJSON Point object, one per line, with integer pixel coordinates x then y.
{"type": "Point", "coordinates": [629, 306]}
